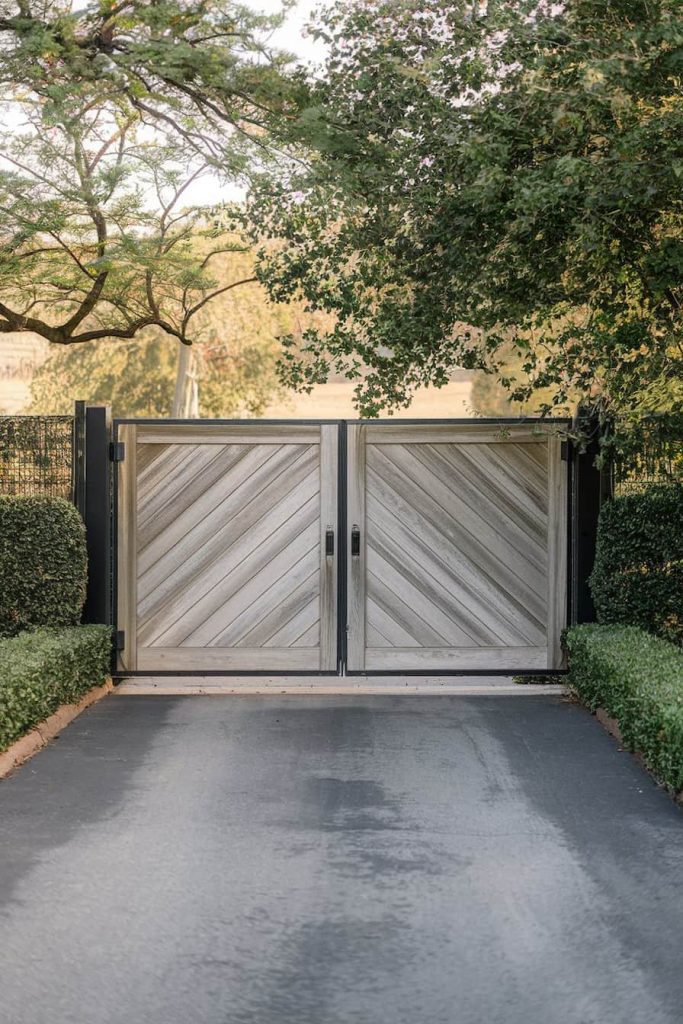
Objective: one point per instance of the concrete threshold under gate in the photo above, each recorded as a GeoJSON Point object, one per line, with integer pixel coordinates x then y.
{"type": "Point", "coordinates": [395, 685]}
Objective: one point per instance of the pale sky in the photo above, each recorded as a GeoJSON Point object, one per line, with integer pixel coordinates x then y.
{"type": "Point", "coordinates": [292, 35]}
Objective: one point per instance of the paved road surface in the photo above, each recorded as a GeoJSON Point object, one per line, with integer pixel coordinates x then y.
{"type": "Point", "coordinates": [377, 860]}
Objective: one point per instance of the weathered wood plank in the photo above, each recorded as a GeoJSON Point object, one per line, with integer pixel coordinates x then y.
{"type": "Point", "coordinates": [158, 511]}
{"type": "Point", "coordinates": [200, 621]}
{"type": "Point", "coordinates": [212, 433]}
{"type": "Point", "coordinates": [126, 613]}
{"type": "Point", "coordinates": [356, 569]}
{"type": "Point", "coordinates": [408, 659]}
{"type": "Point", "coordinates": [280, 625]}
{"type": "Point", "coordinates": [557, 554]}
{"type": "Point", "coordinates": [434, 433]}
{"type": "Point", "coordinates": [241, 659]}
{"type": "Point", "coordinates": [329, 520]}
{"type": "Point", "coordinates": [499, 610]}
{"type": "Point", "coordinates": [440, 504]}
{"type": "Point", "coordinates": [265, 588]}
{"type": "Point", "coordinates": [491, 479]}
{"type": "Point", "coordinates": [195, 525]}
{"type": "Point", "coordinates": [302, 630]}
{"type": "Point", "coordinates": [229, 536]}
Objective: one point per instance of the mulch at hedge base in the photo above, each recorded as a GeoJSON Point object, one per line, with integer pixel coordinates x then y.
{"type": "Point", "coordinates": [636, 679]}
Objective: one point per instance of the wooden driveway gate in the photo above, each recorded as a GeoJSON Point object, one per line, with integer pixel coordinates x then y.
{"type": "Point", "coordinates": [452, 554]}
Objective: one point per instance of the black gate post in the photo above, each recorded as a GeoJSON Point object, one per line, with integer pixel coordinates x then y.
{"type": "Point", "coordinates": [97, 513]}
{"type": "Point", "coordinates": [591, 485]}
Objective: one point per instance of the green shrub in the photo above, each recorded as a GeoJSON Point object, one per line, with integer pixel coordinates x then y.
{"type": "Point", "coordinates": [42, 669]}
{"type": "Point", "coordinates": [638, 679]}
{"type": "Point", "coordinates": [637, 578]}
{"type": "Point", "coordinates": [43, 563]}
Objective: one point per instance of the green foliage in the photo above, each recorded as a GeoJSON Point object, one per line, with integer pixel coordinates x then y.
{"type": "Point", "coordinates": [637, 578]}
{"type": "Point", "coordinates": [504, 178]}
{"type": "Point", "coordinates": [42, 669]}
{"type": "Point", "coordinates": [120, 112]}
{"type": "Point", "coordinates": [649, 450]}
{"type": "Point", "coordinates": [638, 679]}
{"type": "Point", "coordinates": [43, 563]}
{"type": "Point", "coordinates": [491, 392]}
{"type": "Point", "coordinates": [235, 360]}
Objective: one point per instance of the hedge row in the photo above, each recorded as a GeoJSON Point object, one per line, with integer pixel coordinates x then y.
{"type": "Point", "coordinates": [638, 573]}
{"type": "Point", "coordinates": [43, 563]}
{"type": "Point", "coordinates": [41, 670]}
{"type": "Point", "coordinates": [638, 679]}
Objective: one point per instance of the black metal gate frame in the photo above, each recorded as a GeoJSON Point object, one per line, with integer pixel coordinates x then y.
{"type": "Point", "coordinates": [100, 512]}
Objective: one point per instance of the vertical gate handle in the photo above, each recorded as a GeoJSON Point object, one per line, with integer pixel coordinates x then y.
{"type": "Point", "coordinates": [329, 541]}
{"type": "Point", "coordinates": [355, 541]}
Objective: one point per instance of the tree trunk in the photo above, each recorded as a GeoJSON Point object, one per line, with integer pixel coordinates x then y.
{"type": "Point", "coordinates": [186, 397]}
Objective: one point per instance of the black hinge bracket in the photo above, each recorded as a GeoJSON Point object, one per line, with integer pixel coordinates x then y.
{"type": "Point", "coordinates": [120, 640]}
{"type": "Point", "coordinates": [117, 451]}
{"type": "Point", "coordinates": [564, 450]}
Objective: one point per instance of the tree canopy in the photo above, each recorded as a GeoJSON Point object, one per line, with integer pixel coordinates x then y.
{"type": "Point", "coordinates": [492, 181]}
{"type": "Point", "coordinates": [235, 359]}
{"type": "Point", "coordinates": [117, 110]}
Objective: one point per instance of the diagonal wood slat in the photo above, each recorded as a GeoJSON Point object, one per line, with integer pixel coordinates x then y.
{"type": "Point", "coordinates": [224, 539]}
{"type": "Point", "coordinates": [228, 547]}
{"type": "Point", "coordinates": [222, 546]}
{"type": "Point", "coordinates": [504, 615]}
{"type": "Point", "coordinates": [462, 531]}
{"type": "Point", "coordinates": [495, 545]}
{"type": "Point", "coordinates": [416, 463]}
{"type": "Point", "coordinates": [188, 482]}
{"type": "Point", "coordinates": [191, 611]}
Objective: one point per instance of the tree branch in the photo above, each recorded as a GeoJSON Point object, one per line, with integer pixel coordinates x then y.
{"type": "Point", "coordinates": [212, 295]}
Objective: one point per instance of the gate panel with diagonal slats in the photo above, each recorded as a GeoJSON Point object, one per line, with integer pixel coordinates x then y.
{"type": "Point", "coordinates": [222, 560]}
{"type": "Point", "coordinates": [455, 551]}
{"type": "Point", "coordinates": [461, 553]}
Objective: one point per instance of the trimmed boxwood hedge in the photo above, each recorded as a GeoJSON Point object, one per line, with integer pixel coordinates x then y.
{"type": "Point", "coordinates": [42, 669]}
{"type": "Point", "coordinates": [637, 578]}
{"type": "Point", "coordinates": [43, 563]}
{"type": "Point", "coordinates": [638, 679]}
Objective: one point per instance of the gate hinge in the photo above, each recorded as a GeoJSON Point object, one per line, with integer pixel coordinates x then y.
{"type": "Point", "coordinates": [117, 451]}
{"type": "Point", "coordinates": [120, 640]}
{"type": "Point", "coordinates": [564, 450]}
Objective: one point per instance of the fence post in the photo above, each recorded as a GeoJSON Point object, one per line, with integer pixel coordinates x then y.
{"type": "Point", "coordinates": [97, 513]}
{"type": "Point", "coordinates": [591, 485]}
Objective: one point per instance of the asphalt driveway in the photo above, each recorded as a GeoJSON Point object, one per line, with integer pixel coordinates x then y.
{"type": "Point", "coordinates": [318, 860]}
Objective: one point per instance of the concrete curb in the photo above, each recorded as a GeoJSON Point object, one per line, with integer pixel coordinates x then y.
{"type": "Point", "coordinates": [26, 746]}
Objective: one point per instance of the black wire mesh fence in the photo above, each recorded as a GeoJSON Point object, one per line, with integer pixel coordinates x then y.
{"type": "Point", "coordinates": [656, 456]}
{"type": "Point", "coordinates": [36, 455]}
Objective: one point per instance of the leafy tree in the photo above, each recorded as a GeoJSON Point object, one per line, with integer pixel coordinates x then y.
{"type": "Point", "coordinates": [494, 181]}
{"type": "Point", "coordinates": [235, 360]}
{"type": "Point", "coordinates": [138, 378]}
{"type": "Point", "coordinates": [492, 391]}
{"type": "Point", "coordinates": [120, 111]}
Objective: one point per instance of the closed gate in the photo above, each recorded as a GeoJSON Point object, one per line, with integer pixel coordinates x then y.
{"type": "Point", "coordinates": [223, 556]}
{"type": "Point", "coordinates": [452, 555]}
